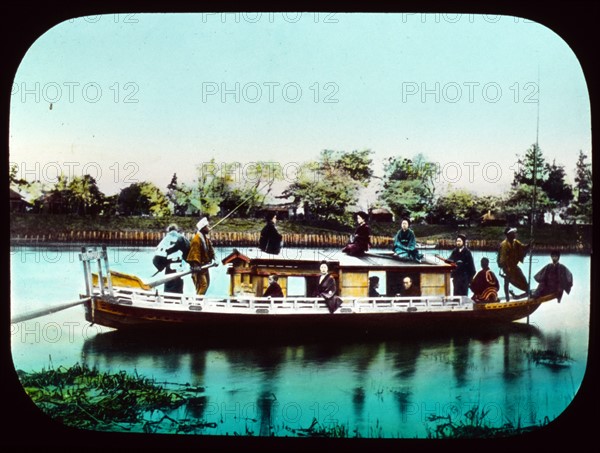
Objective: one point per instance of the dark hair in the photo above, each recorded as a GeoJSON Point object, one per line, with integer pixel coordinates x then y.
{"type": "Point", "coordinates": [485, 262]}
{"type": "Point", "coordinates": [374, 279]}
{"type": "Point", "coordinates": [269, 215]}
{"type": "Point", "coordinates": [555, 253]}
{"type": "Point", "coordinates": [274, 277]}
{"type": "Point", "coordinates": [405, 218]}
{"type": "Point", "coordinates": [363, 214]}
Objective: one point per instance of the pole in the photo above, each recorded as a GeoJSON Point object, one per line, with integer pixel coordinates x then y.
{"type": "Point", "coordinates": [47, 311]}
{"type": "Point", "coordinates": [238, 206]}
{"type": "Point", "coordinates": [533, 203]}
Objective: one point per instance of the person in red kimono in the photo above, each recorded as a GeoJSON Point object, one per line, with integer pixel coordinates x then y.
{"type": "Point", "coordinates": [485, 285]}
{"type": "Point", "coordinates": [361, 240]}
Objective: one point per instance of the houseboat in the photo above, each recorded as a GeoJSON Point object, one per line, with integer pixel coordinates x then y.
{"type": "Point", "coordinates": [123, 301]}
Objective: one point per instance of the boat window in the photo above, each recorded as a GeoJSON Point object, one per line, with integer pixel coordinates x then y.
{"type": "Point", "coordinates": [296, 286]}
{"type": "Point", "coordinates": [382, 283]}
{"type": "Point", "coordinates": [395, 279]}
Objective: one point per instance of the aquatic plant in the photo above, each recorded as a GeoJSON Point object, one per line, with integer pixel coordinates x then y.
{"type": "Point", "coordinates": [472, 426]}
{"type": "Point", "coordinates": [550, 358]}
{"type": "Point", "coordinates": [86, 398]}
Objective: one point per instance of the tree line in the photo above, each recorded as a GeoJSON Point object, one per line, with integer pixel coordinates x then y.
{"type": "Point", "coordinates": [328, 189]}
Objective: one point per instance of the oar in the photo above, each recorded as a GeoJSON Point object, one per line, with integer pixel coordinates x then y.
{"type": "Point", "coordinates": [169, 277]}
{"type": "Point", "coordinates": [47, 311]}
{"type": "Point", "coordinates": [133, 281]}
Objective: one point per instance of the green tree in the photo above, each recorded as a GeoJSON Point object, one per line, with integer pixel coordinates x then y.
{"type": "Point", "coordinates": [524, 172]}
{"type": "Point", "coordinates": [143, 198]}
{"type": "Point", "coordinates": [559, 192]}
{"type": "Point", "coordinates": [581, 207]}
{"type": "Point", "coordinates": [409, 186]}
{"type": "Point", "coordinates": [83, 195]}
{"type": "Point", "coordinates": [327, 187]}
{"type": "Point", "coordinates": [455, 205]}
{"type": "Point", "coordinates": [518, 204]}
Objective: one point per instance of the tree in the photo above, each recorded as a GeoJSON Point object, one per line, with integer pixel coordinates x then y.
{"type": "Point", "coordinates": [327, 187]}
{"type": "Point", "coordinates": [457, 204]}
{"type": "Point", "coordinates": [143, 198]}
{"type": "Point", "coordinates": [409, 186]}
{"type": "Point", "coordinates": [559, 192]}
{"type": "Point", "coordinates": [524, 173]}
{"type": "Point", "coordinates": [581, 208]}
{"type": "Point", "coordinates": [518, 204]}
{"type": "Point", "coordinates": [84, 196]}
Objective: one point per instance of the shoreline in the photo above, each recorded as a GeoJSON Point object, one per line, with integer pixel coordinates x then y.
{"type": "Point", "coordinates": [248, 239]}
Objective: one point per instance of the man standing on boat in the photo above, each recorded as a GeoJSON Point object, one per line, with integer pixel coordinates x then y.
{"type": "Point", "coordinates": [405, 243]}
{"type": "Point", "coordinates": [361, 240]}
{"type": "Point", "coordinates": [465, 267]}
{"type": "Point", "coordinates": [511, 253]}
{"type": "Point", "coordinates": [169, 255]}
{"type": "Point", "coordinates": [553, 278]}
{"type": "Point", "coordinates": [201, 254]}
{"type": "Point", "coordinates": [485, 285]}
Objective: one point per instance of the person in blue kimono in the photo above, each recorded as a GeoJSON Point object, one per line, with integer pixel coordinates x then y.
{"type": "Point", "coordinates": [405, 243]}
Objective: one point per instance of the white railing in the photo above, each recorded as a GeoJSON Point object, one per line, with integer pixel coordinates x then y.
{"type": "Point", "coordinates": [284, 304]}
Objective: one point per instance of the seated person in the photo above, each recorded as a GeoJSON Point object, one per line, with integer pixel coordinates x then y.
{"type": "Point", "coordinates": [408, 289]}
{"type": "Point", "coordinates": [373, 286]}
{"type": "Point", "coordinates": [405, 243]}
{"type": "Point", "coordinates": [485, 285]}
{"type": "Point", "coordinates": [361, 240]}
{"type": "Point", "coordinates": [273, 290]}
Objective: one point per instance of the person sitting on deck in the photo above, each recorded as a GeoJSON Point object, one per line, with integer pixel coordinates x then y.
{"type": "Point", "coordinates": [409, 290]}
{"type": "Point", "coordinates": [361, 240]}
{"type": "Point", "coordinates": [510, 254]}
{"type": "Point", "coordinates": [405, 243]}
{"type": "Point", "coordinates": [485, 285]}
{"type": "Point", "coordinates": [327, 288]}
{"type": "Point", "coordinates": [373, 286]}
{"type": "Point", "coordinates": [553, 278]}
{"type": "Point", "coordinates": [273, 290]}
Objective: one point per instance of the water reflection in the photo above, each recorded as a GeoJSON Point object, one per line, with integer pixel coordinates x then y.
{"type": "Point", "coordinates": [360, 376]}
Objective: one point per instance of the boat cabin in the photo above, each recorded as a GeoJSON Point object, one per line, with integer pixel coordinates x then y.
{"type": "Point", "coordinates": [298, 275]}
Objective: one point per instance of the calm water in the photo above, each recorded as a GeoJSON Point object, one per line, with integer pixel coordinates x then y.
{"type": "Point", "coordinates": [376, 389]}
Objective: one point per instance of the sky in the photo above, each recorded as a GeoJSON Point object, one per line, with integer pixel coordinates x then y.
{"type": "Point", "coordinates": [139, 97]}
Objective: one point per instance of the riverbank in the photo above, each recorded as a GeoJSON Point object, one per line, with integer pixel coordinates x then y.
{"type": "Point", "coordinates": [144, 231]}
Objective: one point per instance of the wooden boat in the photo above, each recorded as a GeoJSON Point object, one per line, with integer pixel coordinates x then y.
{"type": "Point", "coordinates": [121, 301]}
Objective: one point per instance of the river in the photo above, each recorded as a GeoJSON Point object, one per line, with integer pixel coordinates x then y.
{"type": "Point", "coordinates": [382, 388]}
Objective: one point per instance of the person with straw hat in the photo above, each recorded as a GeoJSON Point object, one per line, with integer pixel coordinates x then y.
{"type": "Point", "coordinates": [200, 256]}
{"type": "Point", "coordinates": [510, 254]}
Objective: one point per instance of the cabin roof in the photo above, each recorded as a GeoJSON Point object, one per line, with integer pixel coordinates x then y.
{"type": "Point", "coordinates": [335, 257]}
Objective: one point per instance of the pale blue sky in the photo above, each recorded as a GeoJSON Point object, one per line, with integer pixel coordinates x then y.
{"type": "Point", "coordinates": [140, 97]}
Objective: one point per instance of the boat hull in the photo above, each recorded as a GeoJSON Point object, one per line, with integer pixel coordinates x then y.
{"type": "Point", "coordinates": [103, 311]}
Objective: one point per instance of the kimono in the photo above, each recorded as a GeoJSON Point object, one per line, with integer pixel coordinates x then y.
{"type": "Point", "coordinates": [201, 253]}
{"type": "Point", "coordinates": [405, 246]}
{"type": "Point", "coordinates": [464, 271]}
{"type": "Point", "coordinates": [509, 257]}
{"type": "Point", "coordinates": [485, 286]}
{"type": "Point", "coordinates": [361, 241]}
{"type": "Point", "coordinates": [274, 290]}
{"type": "Point", "coordinates": [327, 289]}
{"type": "Point", "coordinates": [270, 239]}
{"type": "Point", "coordinates": [553, 279]}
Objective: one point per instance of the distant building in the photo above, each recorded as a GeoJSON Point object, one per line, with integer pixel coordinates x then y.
{"type": "Point", "coordinates": [284, 211]}
{"type": "Point", "coordinates": [17, 202]}
{"type": "Point", "coordinates": [491, 219]}
{"type": "Point", "coordinates": [381, 215]}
